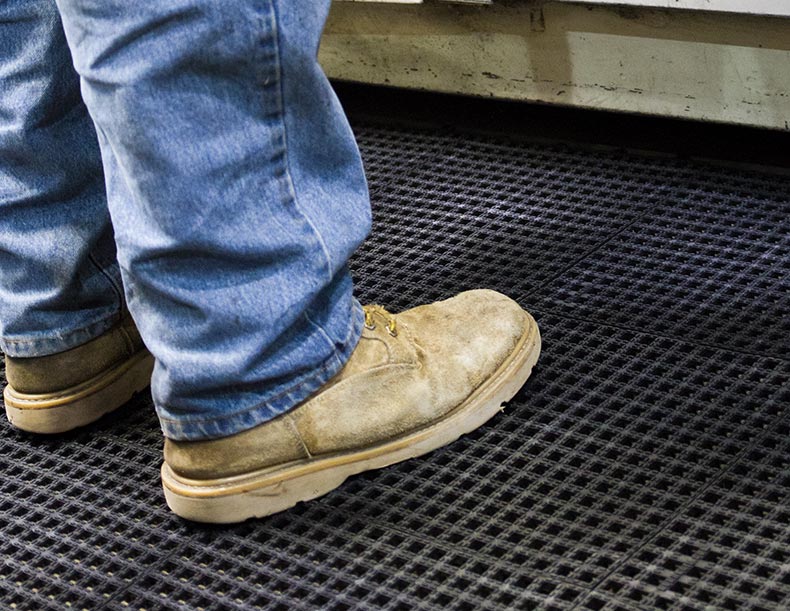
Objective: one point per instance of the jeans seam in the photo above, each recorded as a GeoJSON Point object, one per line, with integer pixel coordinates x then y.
{"type": "Point", "coordinates": [322, 332]}
{"type": "Point", "coordinates": [287, 159]}
{"type": "Point", "coordinates": [116, 289]}
{"type": "Point", "coordinates": [288, 172]}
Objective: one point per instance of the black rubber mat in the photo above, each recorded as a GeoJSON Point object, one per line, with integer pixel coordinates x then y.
{"type": "Point", "coordinates": [643, 466]}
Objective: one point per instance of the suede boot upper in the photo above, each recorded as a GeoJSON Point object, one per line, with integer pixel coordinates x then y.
{"type": "Point", "coordinates": [47, 374]}
{"type": "Point", "coordinates": [402, 376]}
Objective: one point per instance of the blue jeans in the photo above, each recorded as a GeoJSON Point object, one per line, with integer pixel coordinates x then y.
{"type": "Point", "coordinates": [197, 167]}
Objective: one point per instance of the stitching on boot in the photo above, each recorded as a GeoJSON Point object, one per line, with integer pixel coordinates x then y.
{"type": "Point", "coordinates": [127, 340]}
{"type": "Point", "coordinates": [292, 425]}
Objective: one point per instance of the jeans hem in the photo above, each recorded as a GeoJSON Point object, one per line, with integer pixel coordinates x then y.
{"type": "Point", "coordinates": [52, 341]}
{"type": "Point", "coordinates": [283, 400]}
{"type": "Point", "coordinates": [55, 342]}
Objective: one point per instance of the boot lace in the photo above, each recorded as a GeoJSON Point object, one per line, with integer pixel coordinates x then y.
{"type": "Point", "coordinates": [370, 323]}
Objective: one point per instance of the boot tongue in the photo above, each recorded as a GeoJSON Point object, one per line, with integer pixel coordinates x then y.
{"type": "Point", "coordinates": [378, 348]}
{"type": "Point", "coordinates": [371, 352]}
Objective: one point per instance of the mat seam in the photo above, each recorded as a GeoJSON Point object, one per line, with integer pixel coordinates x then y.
{"type": "Point", "coordinates": [678, 513]}
{"type": "Point", "coordinates": [527, 294]}
{"type": "Point", "coordinates": [539, 307]}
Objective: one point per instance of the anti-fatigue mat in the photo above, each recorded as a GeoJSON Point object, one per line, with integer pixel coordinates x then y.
{"type": "Point", "coordinates": [643, 466]}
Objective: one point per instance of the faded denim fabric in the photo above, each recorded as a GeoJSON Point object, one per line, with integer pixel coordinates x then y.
{"type": "Point", "coordinates": [59, 283]}
{"type": "Point", "coordinates": [234, 187]}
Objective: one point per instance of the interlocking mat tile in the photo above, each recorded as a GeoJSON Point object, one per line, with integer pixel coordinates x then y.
{"type": "Point", "coordinates": [643, 466]}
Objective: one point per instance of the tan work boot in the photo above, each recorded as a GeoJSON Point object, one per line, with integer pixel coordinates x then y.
{"type": "Point", "coordinates": [60, 392]}
{"type": "Point", "coordinates": [416, 381]}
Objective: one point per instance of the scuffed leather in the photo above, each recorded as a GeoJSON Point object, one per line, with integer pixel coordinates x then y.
{"type": "Point", "coordinates": [56, 372]}
{"type": "Point", "coordinates": [389, 387]}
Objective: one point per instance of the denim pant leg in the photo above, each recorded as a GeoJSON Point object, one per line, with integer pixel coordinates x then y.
{"type": "Point", "coordinates": [237, 196]}
{"type": "Point", "coordinates": [60, 285]}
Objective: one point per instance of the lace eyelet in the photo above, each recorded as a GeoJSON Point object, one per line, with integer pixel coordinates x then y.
{"type": "Point", "coordinates": [392, 327]}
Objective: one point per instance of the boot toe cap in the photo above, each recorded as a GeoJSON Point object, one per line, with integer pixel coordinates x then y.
{"type": "Point", "coordinates": [471, 334]}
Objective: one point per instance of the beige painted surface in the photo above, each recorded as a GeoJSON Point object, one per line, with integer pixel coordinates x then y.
{"type": "Point", "coordinates": [753, 7]}
{"type": "Point", "coordinates": [748, 7]}
{"type": "Point", "coordinates": [710, 66]}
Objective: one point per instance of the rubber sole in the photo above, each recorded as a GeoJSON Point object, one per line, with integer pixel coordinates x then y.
{"type": "Point", "coordinates": [262, 493]}
{"type": "Point", "coordinates": [82, 404]}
